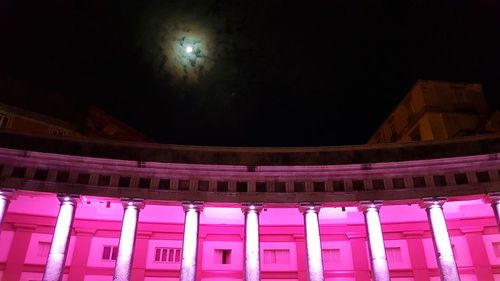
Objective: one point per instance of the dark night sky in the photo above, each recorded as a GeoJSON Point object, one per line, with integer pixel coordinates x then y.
{"type": "Point", "coordinates": [266, 73]}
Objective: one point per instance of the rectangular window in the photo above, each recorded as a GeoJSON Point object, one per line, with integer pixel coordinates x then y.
{"type": "Point", "coordinates": [496, 248]}
{"type": "Point", "coordinates": [184, 185]}
{"type": "Point", "coordinates": [43, 249]}
{"type": "Point", "coordinates": [299, 186]}
{"type": "Point", "coordinates": [168, 255]}
{"type": "Point", "coordinates": [222, 256]}
{"type": "Point", "coordinates": [281, 256]}
{"type": "Point", "coordinates": [393, 254]}
{"type": "Point", "coordinates": [164, 184]}
{"type": "Point", "coordinates": [4, 121]}
{"type": "Point", "coordinates": [241, 186]}
{"type": "Point", "coordinates": [83, 178]}
{"type": "Point", "coordinates": [203, 185]}
{"type": "Point", "coordinates": [109, 253]}
{"type": "Point", "coordinates": [331, 256]}
{"type": "Point", "coordinates": [261, 187]}
{"type": "Point", "coordinates": [280, 187]}
{"type": "Point", "coordinates": [319, 186]}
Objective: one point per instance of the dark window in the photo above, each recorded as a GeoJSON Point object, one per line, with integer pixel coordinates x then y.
{"type": "Point", "coordinates": [378, 184]}
{"type": "Point", "coordinates": [222, 186]}
{"type": "Point", "coordinates": [419, 182]}
{"type": "Point", "coordinates": [184, 185]}
{"type": "Point", "coordinates": [103, 180]}
{"type": "Point", "coordinates": [483, 176]}
{"type": "Point", "coordinates": [203, 185]}
{"type": "Point", "coordinates": [164, 184]}
{"type": "Point", "coordinates": [299, 186]}
{"type": "Point", "coordinates": [261, 187]}
{"type": "Point", "coordinates": [439, 180]}
{"type": "Point", "coordinates": [358, 185]}
{"type": "Point", "coordinates": [144, 183]}
{"type": "Point", "coordinates": [83, 178]}
{"type": "Point", "coordinates": [280, 187]}
{"type": "Point", "coordinates": [338, 186]}
{"type": "Point", "coordinates": [62, 176]}
{"type": "Point", "coordinates": [241, 186]}
{"type": "Point", "coordinates": [319, 186]}
{"type": "Point", "coordinates": [4, 121]}
{"type": "Point", "coordinates": [1, 169]}
{"type": "Point", "coordinates": [398, 183]}
{"type": "Point", "coordinates": [222, 256]}
{"type": "Point", "coordinates": [41, 175]}
{"type": "Point", "coordinates": [124, 182]}
{"type": "Point", "coordinates": [461, 178]}
{"type": "Point", "coordinates": [18, 172]}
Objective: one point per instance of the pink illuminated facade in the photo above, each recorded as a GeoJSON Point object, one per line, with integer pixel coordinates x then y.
{"type": "Point", "coordinates": [84, 210]}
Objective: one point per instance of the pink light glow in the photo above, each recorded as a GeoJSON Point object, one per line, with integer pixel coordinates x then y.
{"type": "Point", "coordinates": [60, 241]}
{"type": "Point", "coordinates": [123, 265]}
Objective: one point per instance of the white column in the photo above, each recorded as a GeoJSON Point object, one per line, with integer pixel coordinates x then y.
{"type": "Point", "coordinates": [124, 259]}
{"type": "Point", "coordinates": [60, 240]}
{"type": "Point", "coordinates": [378, 259]}
{"type": "Point", "coordinates": [252, 261]}
{"type": "Point", "coordinates": [495, 205]}
{"type": "Point", "coordinates": [5, 195]}
{"type": "Point", "coordinates": [190, 242]}
{"type": "Point", "coordinates": [313, 241]}
{"type": "Point", "coordinates": [442, 244]}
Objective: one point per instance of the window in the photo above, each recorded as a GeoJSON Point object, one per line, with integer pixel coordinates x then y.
{"type": "Point", "coordinates": [104, 180]}
{"type": "Point", "coordinates": [222, 256]}
{"type": "Point", "coordinates": [164, 184]}
{"type": "Point", "coordinates": [378, 184]}
{"type": "Point", "coordinates": [41, 175]}
{"type": "Point", "coordinates": [496, 248]}
{"type": "Point", "coordinates": [277, 256]}
{"type": "Point", "coordinates": [338, 186]}
{"type": "Point", "coordinates": [393, 254]}
{"type": "Point", "coordinates": [109, 253]}
{"type": "Point", "coordinates": [184, 185]}
{"type": "Point", "coordinates": [168, 255]}
{"type": "Point", "coordinates": [299, 186]}
{"type": "Point", "coordinates": [439, 180]}
{"type": "Point", "coordinates": [144, 182]}
{"type": "Point", "coordinates": [83, 178]}
{"type": "Point", "coordinates": [43, 249]}
{"type": "Point", "coordinates": [419, 182]}
{"type": "Point", "coordinates": [4, 121]}
{"type": "Point", "coordinates": [280, 187]}
{"type": "Point", "coordinates": [18, 172]}
{"type": "Point", "coordinates": [331, 256]}
{"type": "Point", "coordinates": [358, 185]}
{"type": "Point", "coordinates": [203, 185]}
{"type": "Point", "coordinates": [241, 186]}
{"type": "Point", "coordinates": [124, 182]}
{"type": "Point", "coordinates": [261, 187]}
{"type": "Point", "coordinates": [222, 186]}
{"type": "Point", "coordinates": [461, 178]}
{"type": "Point", "coordinates": [398, 183]}
{"type": "Point", "coordinates": [483, 176]}
{"type": "Point", "coordinates": [319, 186]}
{"type": "Point", "coordinates": [62, 176]}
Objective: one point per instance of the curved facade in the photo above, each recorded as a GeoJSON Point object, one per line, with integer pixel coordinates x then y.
{"type": "Point", "coordinates": [78, 209]}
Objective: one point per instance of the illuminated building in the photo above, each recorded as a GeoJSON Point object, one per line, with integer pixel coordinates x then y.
{"type": "Point", "coordinates": [437, 110]}
{"type": "Point", "coordinates": [92, 210]}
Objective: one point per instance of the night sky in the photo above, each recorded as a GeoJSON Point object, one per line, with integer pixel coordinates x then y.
{"type": "Point", "coordinates": [262, 73]}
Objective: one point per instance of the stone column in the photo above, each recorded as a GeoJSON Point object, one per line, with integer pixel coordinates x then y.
{"type": "Point", "coordinates": [252, 261]}
{"type": "Point", "coordinates": [495, 205]}
{"type": "Point", "coordinates": [190, 242]}
{"type": "Point", "coordinates": [313, 241]}
{"type": "Point", "coordinates": [5, 195]}
{"type": "Point", "coordinates": [378, 260]}
{"type": "Point", "coordinates": [60, 240]}
{"type": "Point", "coordinates": [442, 244]}
{"type": "Point", "coordinates": [124, 259]}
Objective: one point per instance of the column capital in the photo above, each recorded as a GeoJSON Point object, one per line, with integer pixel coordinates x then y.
{"type": "Point", "coordinates": [367, 205]}
{"type": "Point", "coordinates": [193, 205]}
{"type": "Point", "coordinates": [305, 207]}
{"type": "Point", "coordinates": [6, 193]}
{"type": "Point", "coordinates": [493, 198]}
{"type": "Point", "coordinates": [72, 199]}
{"type": "Point", "coordinates": [133, 202]}
{"type": "Point", "coordinates": [247, 207]}
{"type": "Point", "coordinates": [430, 202]}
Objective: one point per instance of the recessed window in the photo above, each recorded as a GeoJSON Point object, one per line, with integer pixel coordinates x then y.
{"type": "Point", "coordinates": [18, 172]}
{"type": "Point", "coordinates": [483, 176]}
{"type": "Point", "coordinates": [222, 256]}
{"type": "Point", "coordinates": [281, 256]}
{"type": "Point", "coordinates": [168, 255]}
{"type": "Point", "coordinates": [358, 185]}
{"type": "Point", "coordinates": [164, 184]}
{"type": "Point", "coordinates": [319, 186]}
{"type": "Point", "coordinates": [419, 182]}
{"type": "Point", "coordinates": [398, 183]}
{"type": "Point", "coordinates": [184, 185]}
{"type": "Point", "coordinates": [241, 186]}
{"type": "Point", "coordinates": [203, 185]}
{"type": "Point", "coordinates": [109, 253]}
{"type": "Point", "coordinates": [439, 180]}
{"type": "Point", "coordinates": [104, 180]}
{"type": "Point", "coordinates": [393, 254]}
{"type": "Point", "coordinates": [83, 178]}
{"type": "Point", "coordinates": [299, 186]}
{"type": "Point", "coordinates": [331, 256]}
{"type": "Point", "coordinates": [222, 186]}
{"type": "Point", "coordinates": [261, 187]}
{"type": "Point", "coordinates": [41, 175]}
{"type": "Point", "coordinates": [378, 184]}
{"type": "Point", "coordinates": [280, 187]}
{"type": "Point", "coordinates": [496, 248]}
{"type": "Point", "coordinates": [144, 183]}
{"type": "Point", "coordinates": [43, 250]}
{"type": "Point", "coordinates": [62, 176]}
{"type": "Point", "coordinates": [124, 182]}
{"type": "Point", "coordinates": [338, 186]}
{"type": "Point", "coordinates": [461, 178]}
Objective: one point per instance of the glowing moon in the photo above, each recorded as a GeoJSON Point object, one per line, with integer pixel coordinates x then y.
{"type": "Point", "coordinates": [189, 49]}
